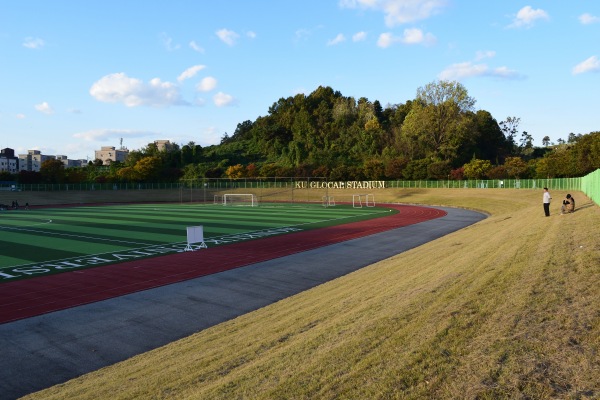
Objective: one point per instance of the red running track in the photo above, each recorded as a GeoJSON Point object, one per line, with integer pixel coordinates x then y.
{"type": "Point", "coordinates": [30, 297]}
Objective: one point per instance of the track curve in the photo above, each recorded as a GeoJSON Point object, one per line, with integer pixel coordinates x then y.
{"type": "Point", "coordinates": [36, 296]}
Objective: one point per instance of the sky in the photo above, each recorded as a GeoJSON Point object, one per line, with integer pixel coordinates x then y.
{"type": "Point", "coordinates": [79, 75]}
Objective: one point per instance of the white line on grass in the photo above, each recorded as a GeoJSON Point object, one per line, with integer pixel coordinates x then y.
{"type": "Point", "coordinates": [147, 246]}
{"type": "Point", "coordinates": [70, 235]}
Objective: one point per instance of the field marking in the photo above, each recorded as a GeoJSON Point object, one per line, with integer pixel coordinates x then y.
{"type": "Point", "coordinates": [49, 221]}
{"type": "Point", "coordinates": [70, 235]}
{"type": "Point", "coordinates": [182, 243]}
{"type": "Point", "coordinates": [100, 255]}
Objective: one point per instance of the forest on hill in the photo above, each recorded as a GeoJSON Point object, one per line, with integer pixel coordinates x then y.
{"type": "Point", "coordinates": [437, 135]}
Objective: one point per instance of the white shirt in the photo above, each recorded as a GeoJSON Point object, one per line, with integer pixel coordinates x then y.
{"type": "Point", "coordinates": [547, 197]}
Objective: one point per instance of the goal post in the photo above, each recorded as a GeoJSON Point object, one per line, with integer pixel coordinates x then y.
{"type": "Point", "coordinates": [370, 200]}
{"type": "Point", "coordinates": [240, 199]}
{"type": "Point", "coordinates": [360, 200]}
{"type": "Point", "coordinates": [328, 201]}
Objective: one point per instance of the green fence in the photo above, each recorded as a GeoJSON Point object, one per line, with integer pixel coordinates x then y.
{"type": "Point", "coordinates": [589, 184]}
{"type": "Point", "coordinates": [557, 184]}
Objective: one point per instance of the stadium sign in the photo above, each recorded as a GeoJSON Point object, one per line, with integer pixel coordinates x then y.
{"type": "Point", "coordinates": [341, 185]}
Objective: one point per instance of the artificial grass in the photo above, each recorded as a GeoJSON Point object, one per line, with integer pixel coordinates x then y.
{"type": "Point", "coordinates": [30, 237]}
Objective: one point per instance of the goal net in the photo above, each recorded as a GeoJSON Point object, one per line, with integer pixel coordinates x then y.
{"type": "Point", "coordinates": [235, 199]}
{"type": "Point", "coordinates": [363, 200]}
{"type": "Point", "coordinates": [328, 201]}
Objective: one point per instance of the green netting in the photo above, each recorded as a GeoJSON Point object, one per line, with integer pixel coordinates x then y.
{"type": "Point", "coordinates": [590, 185]}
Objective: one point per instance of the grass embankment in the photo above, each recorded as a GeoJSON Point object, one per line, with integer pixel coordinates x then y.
{"type": "Point", "coordinates": [506, 308]}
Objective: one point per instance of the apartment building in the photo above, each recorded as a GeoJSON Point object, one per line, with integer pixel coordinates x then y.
{"type": "Point", "coordinates": [8, 162]}
{"type": "Point", "coordinates": [109, 154]}
{"type": "Point", "coordinates": [32, 161]}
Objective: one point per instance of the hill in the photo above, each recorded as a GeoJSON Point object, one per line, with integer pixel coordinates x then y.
{"type": "Point", "coordinates": [506, 308]}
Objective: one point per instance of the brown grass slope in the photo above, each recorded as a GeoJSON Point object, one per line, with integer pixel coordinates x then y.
{"type": "Point", "coordinates": [506, 308]}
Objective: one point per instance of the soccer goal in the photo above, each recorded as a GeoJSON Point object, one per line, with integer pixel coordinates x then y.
{"type": "Point", "coordinates": [236, 199]}
{"type": "Point", "coordinates": [360, 200]}
{"type": "Point", "coordinates": [328, 201]}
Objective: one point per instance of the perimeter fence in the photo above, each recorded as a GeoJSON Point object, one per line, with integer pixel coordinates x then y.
{"type": "Point", "coordinates": [295, 188]}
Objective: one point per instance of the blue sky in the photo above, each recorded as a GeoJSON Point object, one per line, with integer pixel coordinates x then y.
{"type": "Point", "coordinates": [78, 75]}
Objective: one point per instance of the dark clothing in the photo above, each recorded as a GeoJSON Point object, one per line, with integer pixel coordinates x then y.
{"type": "Point", "coordinates": [547, 209]}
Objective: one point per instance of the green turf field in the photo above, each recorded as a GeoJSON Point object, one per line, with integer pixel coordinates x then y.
{"type": "Point", "coordinates": [32, 240]}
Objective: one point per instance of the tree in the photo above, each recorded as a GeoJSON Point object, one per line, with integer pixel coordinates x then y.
{"type": "Point", "coordinates": [515, 167]}
{"type": "Point", "coordinates": [510, 127]}
{"type": "Point", "coordinates": [394, 168]}
{"type": "Point", "coordinates": [190, 153]}
{"type": "Point", "coordinates": [439, 119]}
{"type": "Point", "coordinates": [477, 169]}
{"type": "Point", "coordinates": [526, 144]}
{"type": "Point", "coordinates": [490, 142]}
{"type": "Point", "coordinates": [128, 174]}
{"type": "Point", "coordinates": [191, 173]}
{"type": "Point", "coordinates": [53, 171]}
{"type": "Point", "coordinates": [497, 172]}
{"type": "Point", "coordinates": [457, 174]}
{"type": "Point", "coordinates": [235, 171]}
{"type": "Point", "coordinates": [251, 170]}
{"type": "Point", "coordinates": [546, 141]}
{"type": "Point", "coordinates": [572, 138]}
{"type": "Point", "coordinates": [148, 168]}
{"type": "Point", "coordinates": [416, 169]}
{"type": "Point", "coordinates": [374, 169]}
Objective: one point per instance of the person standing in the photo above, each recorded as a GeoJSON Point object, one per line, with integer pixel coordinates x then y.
{"type": "Point", "coordinates": [546, 200]}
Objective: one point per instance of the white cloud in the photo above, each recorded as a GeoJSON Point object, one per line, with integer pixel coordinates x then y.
{"type": "Point", "coordinates": [196, 47]}
{"type": "Point", "coordinates": [482, 55]}
{"type": "Point", "coordinates": [228, 37]}
{"type": "Point", "coordinates": [103, 135]}
{"type": "Point", "coordinates": [251, 34]}
{"type": "Point", "coordinates": [44, 108]}
{"type": "Point", "coordinates": [409, 36]}
{"type": "Point", "coordinates": [190, 72]}
{"type": "Point", "coordinates": [210, 135]}
{"type": "Point", "coordinates": [527, 16]}
{"type": "Point", "coordinates": [336, 40]}
{"type": "Point", "coordinates": [359, 36]}
{"type": "Point", "coordinates": [385, 40]}
{"type": "Point", "coordinates": [167, 41]}
{"type": "Point", "coordinates": [416, 36]}
{"type": "Point", "coordinates": [587, 19]}
{"type": "Point", "coordinates": [398, 12]}
{"type": "Point", "coordinates": [20, 116]}
{"type": "Point", "coordinates": [207, 84]}
{"type": "Point", "coordinates": [222, 100]}
{"type": "Point", "coordinates": [467, 69]}
{"type": "Point", "coordinates": [302, 34]}
{"type": "Point", "coordinates": [33, 43]}
{"type": "Point", "coordinates": [119, 88]}
{"type": "Point", "coordinates": [592, 64]}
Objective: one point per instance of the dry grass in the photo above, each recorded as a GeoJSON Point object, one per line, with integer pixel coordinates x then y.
{"type": "Point", "coordinates": [507, 308]}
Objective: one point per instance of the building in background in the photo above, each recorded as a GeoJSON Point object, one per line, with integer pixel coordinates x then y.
{"type": "Point", "coordinates": [163, 145]}
{"type": "Point", "coordinates": [109, 154]}
{"type": "Point", "coordinates": [8, 162]}
{"type": "Point", "coordinates": [71, 163]}
{"type": "Point", "coordinates": [32, 161]}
